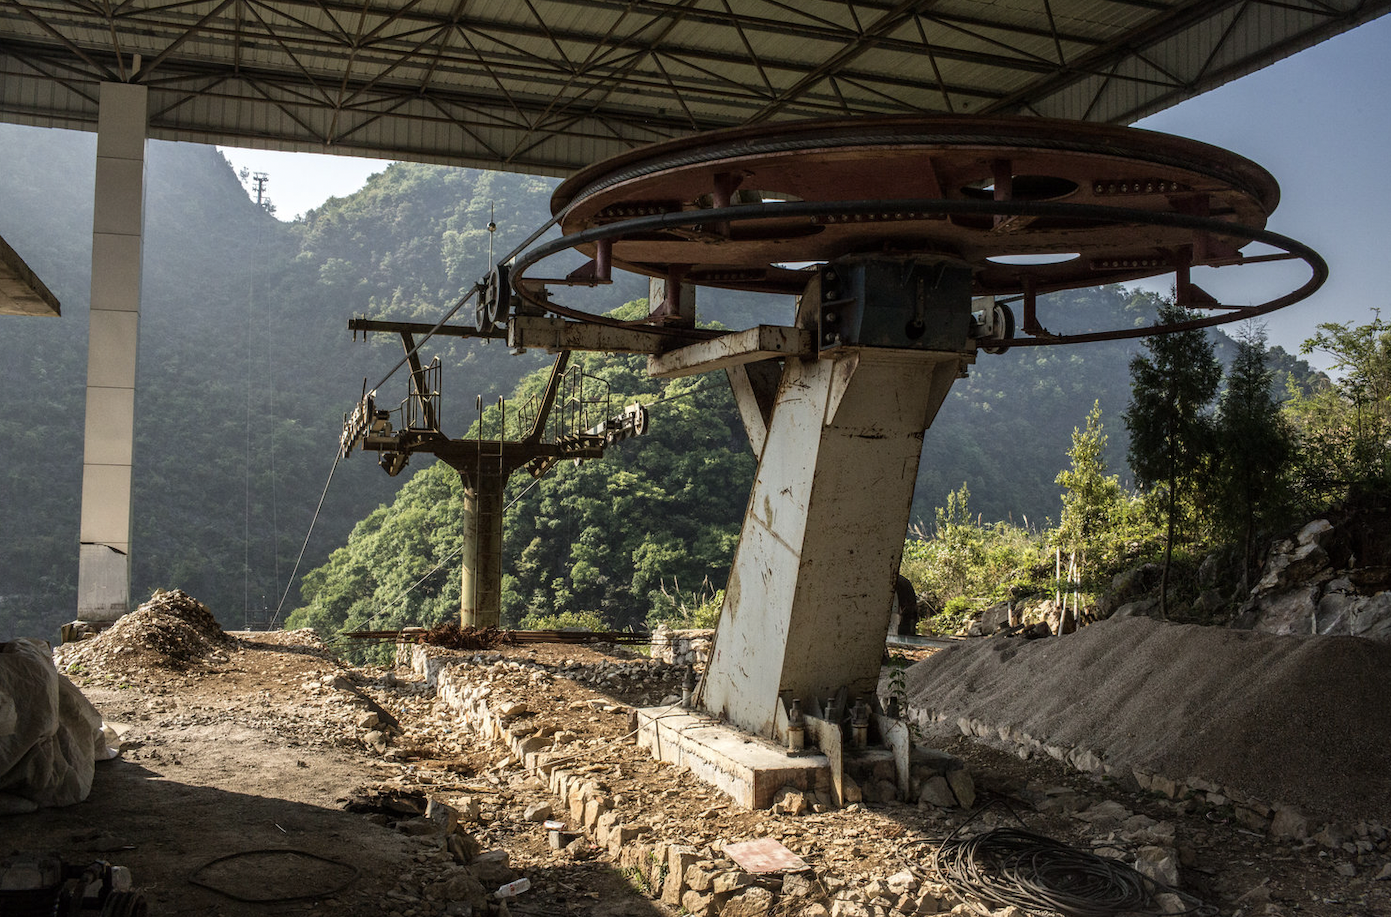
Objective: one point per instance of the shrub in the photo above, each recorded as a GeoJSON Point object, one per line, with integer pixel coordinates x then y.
{"type": "Point", "coordinates": [565, 620]}
{"type": "Point", "coordinates": [965, 565]}
{"type": "Point", "coordinates": [686, 610]}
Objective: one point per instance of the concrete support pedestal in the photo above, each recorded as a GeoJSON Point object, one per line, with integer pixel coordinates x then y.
{"type": "Point", "coordinates": [103, 583]}
{"type": "Point", "coordinates": [749, 773]}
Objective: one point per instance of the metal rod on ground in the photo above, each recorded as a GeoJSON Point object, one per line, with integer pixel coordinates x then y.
{"type": "Point", "coordinates": [514, 636]}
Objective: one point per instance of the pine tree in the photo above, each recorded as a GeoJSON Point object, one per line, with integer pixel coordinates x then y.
{"type": "Point", "coordinates": [1171, 435]}
{"type": "Point", "coordinates": [1255, 446]}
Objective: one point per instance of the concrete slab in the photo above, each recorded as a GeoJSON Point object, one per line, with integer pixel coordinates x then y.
{"type": "Point", "coordinates": [748, 770]}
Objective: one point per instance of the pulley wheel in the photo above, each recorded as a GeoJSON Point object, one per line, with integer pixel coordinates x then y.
{"type": "Point", "coordinates": [494, 300]}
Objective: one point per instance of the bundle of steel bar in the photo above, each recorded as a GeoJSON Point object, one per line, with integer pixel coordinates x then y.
{"type": "Point", "coordinates": [501, 637]}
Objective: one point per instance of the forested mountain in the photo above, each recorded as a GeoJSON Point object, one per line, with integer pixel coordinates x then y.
{"type": "Point", "coordinates": [246, 368]}
{"type": "Point", "coordinates": [245, 364]}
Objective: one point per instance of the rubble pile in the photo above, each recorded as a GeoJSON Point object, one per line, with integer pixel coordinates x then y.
{"type": "Point", "coordinates": [304, 638]}
{"type": "Point", "coordinates": [172, 630]}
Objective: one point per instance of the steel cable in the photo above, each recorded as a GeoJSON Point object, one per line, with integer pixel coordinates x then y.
{"type": "Point", "coordinates": [307, 535]}
{"type": "Point", "coordinates": [1014, 866]}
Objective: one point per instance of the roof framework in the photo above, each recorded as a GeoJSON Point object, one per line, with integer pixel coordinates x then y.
{"type": "Point", "coordinates": [548, 86]}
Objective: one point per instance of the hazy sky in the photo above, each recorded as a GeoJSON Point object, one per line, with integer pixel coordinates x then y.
{"type": "Point", "coordinates": [1320, 121]}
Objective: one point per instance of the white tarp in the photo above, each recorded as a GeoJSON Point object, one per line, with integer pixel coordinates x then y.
{"type": "Point", "coordinates": [50, 735]}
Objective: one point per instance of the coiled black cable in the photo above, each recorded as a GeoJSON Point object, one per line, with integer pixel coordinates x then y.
{"type": "Point", "coordinates": [1013, 866]}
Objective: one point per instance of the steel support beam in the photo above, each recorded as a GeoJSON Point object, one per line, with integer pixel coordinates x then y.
{"type": "Point", "coordinates": [103, 581]}
{"type": "Point", "coordinates": [755, 388]}
{"type": "Point", "coordinates": [555, 334]}
{"type": "Point", "coordinates": [761, 342]}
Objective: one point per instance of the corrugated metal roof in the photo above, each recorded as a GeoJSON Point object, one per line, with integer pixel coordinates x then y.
{"type": "Point", "coordinates": [551, 85]}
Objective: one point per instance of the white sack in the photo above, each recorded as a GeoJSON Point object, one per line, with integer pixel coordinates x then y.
{"type": "Point", "coordinates": [49, 746]}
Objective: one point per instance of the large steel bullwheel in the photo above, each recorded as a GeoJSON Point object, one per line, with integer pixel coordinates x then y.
{"type": "Point", "coordinates": [1027, 206]}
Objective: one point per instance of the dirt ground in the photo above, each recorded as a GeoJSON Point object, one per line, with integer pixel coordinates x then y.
{"type": "Point", "coordinates": [254, 748]}
{"type": "Point", "coordinates": [257, 749]}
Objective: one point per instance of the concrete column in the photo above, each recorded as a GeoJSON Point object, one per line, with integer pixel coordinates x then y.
{"type": "Point", "coordinates": [103, 582]}
{"type": "Point", "coordinates": [481, 598]}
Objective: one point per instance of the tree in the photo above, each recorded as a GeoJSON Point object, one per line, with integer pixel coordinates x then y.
{"type": "Point", "coordinates": [1171, 435]}
{"type": "Point", "coordinates": [1092, 499]}
{"type": "Point", "coordinates": [1255, 447]}
{"type": "Point", "coordinates": [1344, 427]}
{"type": "Point", "coordinates": [1096, 508]}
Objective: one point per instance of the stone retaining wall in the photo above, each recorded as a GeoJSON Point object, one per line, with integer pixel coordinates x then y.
{"type": "Point", "coordinates": [682, 647]}
{"type": "Point", "coordinates": [697, 880]}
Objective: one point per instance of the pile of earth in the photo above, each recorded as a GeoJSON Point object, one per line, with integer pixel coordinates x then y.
{"type": "Point", "coordinates": [172, 630]}
{"type": "Point", "coordinates": [1298, 721]}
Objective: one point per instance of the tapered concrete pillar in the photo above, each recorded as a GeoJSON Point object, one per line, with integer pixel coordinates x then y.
{"type": "Point", "coordinates": [103, 583]}
{"type": "Point", "coordinates": [807, 606]}
{"type": "Point", "coordinates": [811, 589]}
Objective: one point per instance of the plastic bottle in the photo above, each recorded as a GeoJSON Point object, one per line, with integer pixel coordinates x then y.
{"type": "Point", "coordinates": [513, 889]}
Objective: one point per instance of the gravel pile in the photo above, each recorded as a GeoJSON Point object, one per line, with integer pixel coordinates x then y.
{"type": "Point", "coordinates": [172, 630]}
{"type": "Point", "coordinates": [1296, 721]}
